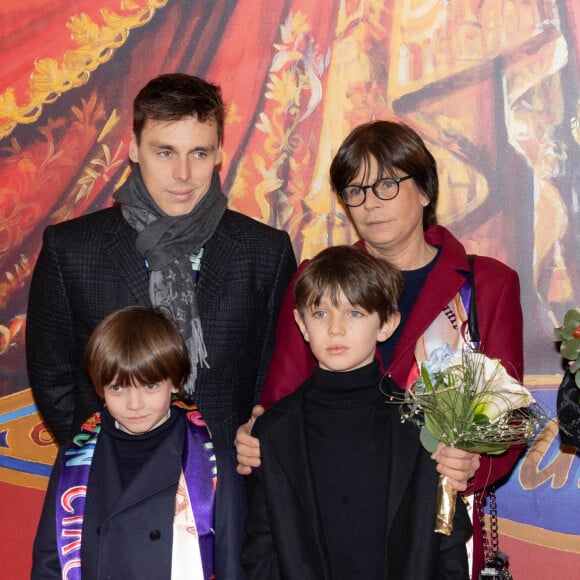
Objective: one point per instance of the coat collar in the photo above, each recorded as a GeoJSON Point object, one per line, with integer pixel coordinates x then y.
{"type": "Point", "coordinates": [220, 254]}
{"type": "Point", "coordinates": [219, 259]}
{"type": "Point", "coordinates": [443, 282]}
{"type": "Point", "coordinates": [405, 446]}
{"type": "Point", "coordinates": [289, 447]}
{"type": "Point", "coordinates": [121, 250]}
{"type": "Point", "coordinates": [447, 277]}
{"type": "Point", "coordinates": [105, 482]}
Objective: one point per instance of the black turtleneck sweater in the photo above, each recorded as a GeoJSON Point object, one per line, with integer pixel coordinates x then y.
{"type": "Point", "coordinates": [133, 451]}
{"type": "Point", "coordinates": [347, 432]}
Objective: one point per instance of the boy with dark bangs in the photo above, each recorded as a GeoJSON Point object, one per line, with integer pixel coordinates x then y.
{"type": "Point", "coordinates": [345, 490]}
{"type": "Point", "coordinates": [134, 495]}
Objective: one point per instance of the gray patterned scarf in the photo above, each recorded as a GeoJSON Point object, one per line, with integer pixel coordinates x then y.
{"type": "Point", "coordinates": [166, 243]}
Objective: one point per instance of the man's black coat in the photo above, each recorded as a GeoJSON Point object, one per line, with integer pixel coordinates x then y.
{"type": "Point", "coordinates": [89, 267]}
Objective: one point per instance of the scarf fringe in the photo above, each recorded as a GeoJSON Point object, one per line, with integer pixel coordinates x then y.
{"type": "Point", "coordinates": [197, 354]}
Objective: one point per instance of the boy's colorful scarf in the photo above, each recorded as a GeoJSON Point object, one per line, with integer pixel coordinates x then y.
{"type": "Point", "coordinates": [191, 547]}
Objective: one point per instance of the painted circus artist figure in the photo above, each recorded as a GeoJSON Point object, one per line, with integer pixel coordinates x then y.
{"type": "Point", "coordinates": [345, 490]}
{"type": "Point", "coordinates": [388, 180]}
{"type": "Point", "coordinates": [169, 241]}
{"type": "Point", "coordinates": [134, 494]}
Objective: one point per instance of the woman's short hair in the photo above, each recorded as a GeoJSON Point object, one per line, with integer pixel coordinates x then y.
{"type": "Point", "coordinates": [176, 96]}
{"type": "Point", "coordinates": [394, 146]}
{"type": "Point", "coordinates": [368, 282]}
{"type": "Point", "coordinates": [136, 345]}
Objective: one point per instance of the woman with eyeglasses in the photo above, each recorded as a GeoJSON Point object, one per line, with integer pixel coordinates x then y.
{"type": "Point", "coordinates": [388, 180]}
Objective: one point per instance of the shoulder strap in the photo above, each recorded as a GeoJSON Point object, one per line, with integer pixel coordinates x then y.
{"type": "Point", "coordinates": [472, 317]}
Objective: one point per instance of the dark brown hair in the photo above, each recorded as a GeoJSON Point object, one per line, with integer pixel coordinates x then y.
{"type": "Point", "coordinates": [394, 146]}
{"type": "Point", "coordinates": [136, 344]}
{"type": "Point", "coordinates": [176, 96]}
{"type": "Point", "coordinates": [368, 282]}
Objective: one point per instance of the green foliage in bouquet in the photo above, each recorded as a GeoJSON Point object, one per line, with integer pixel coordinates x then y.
{"type": "Point", "coordinates": [467, 400]}
{"type": "Point", "coordinates": [569, 335]}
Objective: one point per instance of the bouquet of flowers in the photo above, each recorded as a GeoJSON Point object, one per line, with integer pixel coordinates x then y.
{"type": "Point", "coordinates": [467, 400]}
{"type": "Point", "coordinates": [569, 335]}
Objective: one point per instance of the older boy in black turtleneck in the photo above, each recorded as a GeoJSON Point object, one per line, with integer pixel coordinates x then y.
{"type": "Point", "coordinates": [345, 490]}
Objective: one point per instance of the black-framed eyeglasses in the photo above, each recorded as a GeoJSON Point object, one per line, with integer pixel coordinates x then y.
{"type": "Point", "coordinates": [386, 188]}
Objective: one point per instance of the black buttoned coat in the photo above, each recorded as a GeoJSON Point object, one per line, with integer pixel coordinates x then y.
{"type": "Point", "coordinates": [285, 539]}
{"type": "Point", "coordinates": [129, 534]}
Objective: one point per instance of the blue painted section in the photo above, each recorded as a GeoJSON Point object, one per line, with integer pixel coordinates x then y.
{"type": "Point", "coordinates": [551, 508]}
{"type": "Point", "coordinates": [22, 466]}
{"type": "Point", "coordinates": [18, 414]}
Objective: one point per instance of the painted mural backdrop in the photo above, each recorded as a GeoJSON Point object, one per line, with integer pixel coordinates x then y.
{"type": "Point", "coordinates": [492, 85]}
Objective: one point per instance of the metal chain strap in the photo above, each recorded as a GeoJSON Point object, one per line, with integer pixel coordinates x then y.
{"type": "Point", "coordinates": [495, 561]}
{"type": "Point", "coordinates": [491, 544]}
{"type": "Point", "coordinates": [478, 513]}
{"type": "Point", "coordinates": [493, 524]}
